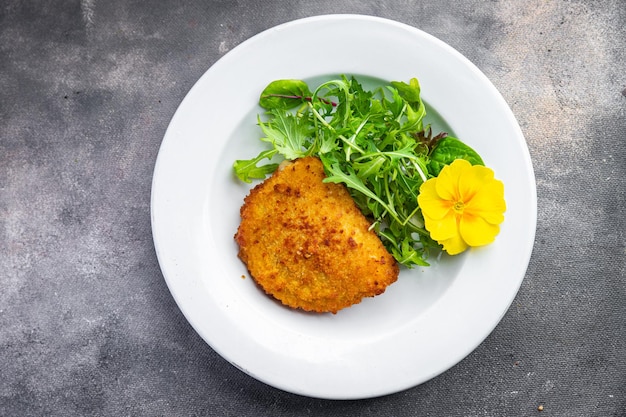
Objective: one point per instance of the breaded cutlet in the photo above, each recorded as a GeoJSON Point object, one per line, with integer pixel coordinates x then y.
{"type": "Point", "coordinates": [306, 243]}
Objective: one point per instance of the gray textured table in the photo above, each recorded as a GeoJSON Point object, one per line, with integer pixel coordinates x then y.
{"type": "Point", "coordinates": [87, 324]}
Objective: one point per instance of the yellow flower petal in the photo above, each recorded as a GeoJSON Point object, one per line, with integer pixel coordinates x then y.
{"type": "Point", "coordinates": [444, 228]}
{"type": "Point", "coordinates": [488, 202]}
{"type": "Point", "coordinates": [454, 245]}
{"type": "Point", "coordinates": [463, 206]}
{"type": "Point", "coordinates": [472, 181]}
{"type": "Point", "coordinates": [429, 201]}
{"type": "Point", "coordinates": [475, 231]}
{"type": "Point", "coordinates": [449, 177]}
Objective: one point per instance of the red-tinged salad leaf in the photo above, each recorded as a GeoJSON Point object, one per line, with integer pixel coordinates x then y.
{"type": "Point", "coordinates": [284, 94]}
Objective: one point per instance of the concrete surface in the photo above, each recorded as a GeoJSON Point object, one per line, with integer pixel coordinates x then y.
{"type": "Point", "coordinates": [87, 324]}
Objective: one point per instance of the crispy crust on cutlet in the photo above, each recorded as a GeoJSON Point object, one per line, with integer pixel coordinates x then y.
{"type": "Point", "coordinates": [307, 244]}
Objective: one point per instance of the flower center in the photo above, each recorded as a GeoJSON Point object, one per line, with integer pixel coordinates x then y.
{"type": "Point", "coordinates": [458, 207]}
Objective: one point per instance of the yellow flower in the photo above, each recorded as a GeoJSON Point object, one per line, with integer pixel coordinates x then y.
{"type": "Point", "coordinates": [463, 206]}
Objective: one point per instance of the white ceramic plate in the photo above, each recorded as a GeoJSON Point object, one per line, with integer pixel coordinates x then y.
{"type": "Point", "coordinates": [423, 324]}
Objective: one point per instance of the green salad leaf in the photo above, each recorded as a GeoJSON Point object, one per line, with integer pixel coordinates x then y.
{"type": "Point", "coordinates": [284, 94]}
{"type": "Point", "coordinates": [447, 150]}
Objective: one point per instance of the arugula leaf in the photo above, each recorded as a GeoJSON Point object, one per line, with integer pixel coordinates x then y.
{"type": "Point", "coordinates": [369, 168]}
{"type": "Point", "coordinates": [248, 168]}
{"type": "Point", "coordinates": [350, 179]}
{"type": "Point", "coordinates": [410, 92]}
{"type": "Point", "coordinates": [288, 133]}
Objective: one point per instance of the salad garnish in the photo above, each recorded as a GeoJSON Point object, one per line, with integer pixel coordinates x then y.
{"type": "Point", "coordinates": [398, 173]}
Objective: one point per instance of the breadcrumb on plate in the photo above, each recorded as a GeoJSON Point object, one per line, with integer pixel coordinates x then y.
{"type": "Point", "coordinates": [306, 243]}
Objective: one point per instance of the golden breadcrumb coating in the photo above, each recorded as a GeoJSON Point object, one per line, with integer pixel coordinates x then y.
{"type": "Point", "coordinates": [306, 243]}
